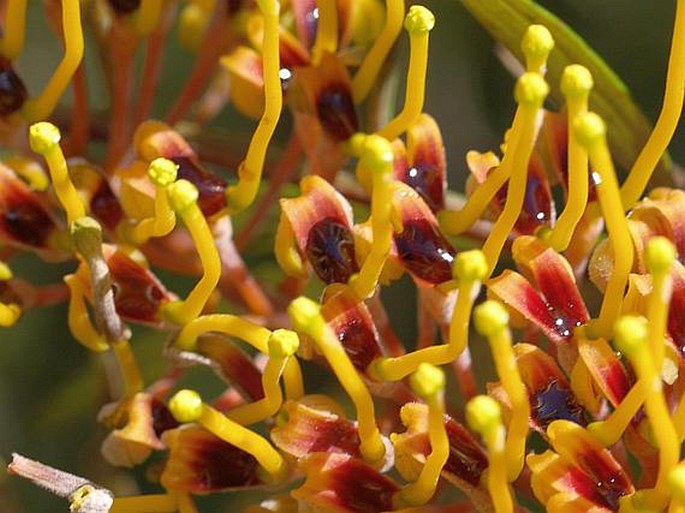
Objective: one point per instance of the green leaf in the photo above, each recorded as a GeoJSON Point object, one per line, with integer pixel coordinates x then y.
{"type": "Point", "coordinates": [507, 20]}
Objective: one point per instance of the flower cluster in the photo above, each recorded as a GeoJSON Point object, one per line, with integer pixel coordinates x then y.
{"type": "Point", "coordinates": [585, 410]}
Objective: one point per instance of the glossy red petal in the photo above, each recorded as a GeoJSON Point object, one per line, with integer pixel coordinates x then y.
{"type": "Point", "coordinates": [341, 483]}
{"type": "Point", "coordinates": [138, 294]}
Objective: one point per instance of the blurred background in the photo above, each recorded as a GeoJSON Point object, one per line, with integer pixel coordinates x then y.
{"type": "Point", "coordinates": [51, 389]}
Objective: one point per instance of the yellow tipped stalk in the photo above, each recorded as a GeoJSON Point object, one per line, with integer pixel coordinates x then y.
{"type": "Point", "coordinates": [306, 318]}
{"type": "Point", "coordinates": [326, 31]}
{"type": "Point", "coordinates": [44, 138]}
{"type": "Point", "coordinates": [375, 158]}
{"type": "Point", "coordinates": [255, 335]}
{"type": "Point", "coordinates": [610, 430]}
{"type": "Point", "coordinates": [14, 30]}
{"type": "Point", "coordinates": [241, 195]}
{"type": "Point", "coordinates": [484, 416]}
{"type": "Point", "coordinates": [162, 173]}
{"type": "Point", "coordinates": [187, 406]}
{"type": "Point", "coordinates": [536, 46]}
{"type": "Point", "coordinates": [576, 84]}
{"type": "Point", "coordinates": [531, 91]}
{"type": "Point", "coordinates": [283, 344]}
{"type": "Point", "coordinates": [36, 109]}
{"type": "Point", "coordinates": [660, 254]}
{"type": "Point", "coordinates": [470, 267]}
{"type": "Point", "coordinates": [492, 321]}
{"type": "Point", "coordinates": [418, 23]}
{"type": "Point", "coordinates": [368, 72]}
{"type": "Point", "coordinates": [632, 339]}
{"type": "Point", "coordinates": [666, 124]}
{"type": "Point", "coordinates": [428, 382]}
{"type": "Point", "coordinates": [183, 200]}
{"type": "Point", "coordinates": [676, 482]}
{"type": "Point", "coordinates": [591, 133]}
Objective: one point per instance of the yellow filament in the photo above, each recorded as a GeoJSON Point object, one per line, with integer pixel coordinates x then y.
{"type": "Point", "coordinates": [255, 335]}
{"type": "Point", "coordinates": [44, 139]}
{"type": "Point", "coordinates": [147, 16]}
{"type": "Point", "coordinates": [14, 31]}
{"type": "Point", "coordinates": [128, 365]}
{"type": "Point", "coordinates": [531, 90]}
{"type": "Point", "coordinates": [241, 195]}
{"type": "Point", "coordinates": [536, 45]}
{"type": "Point", "coordinates": [576, 83]}
{"type": "Point", "coordinates": [484, 416]}
{"type": "Point", "coordinates": [591, 133]}
{"type": "Point", "coordinates": [163, 173]}
{"type": "Point", "coordinates": [665, 126]}
{"type": "Point", "coordinates": [187, 406]}
{"type": "Point", "coordinates": [41, 107]}
{"type": "Point", "coordinates": [492, 321]}
{"type": "Point", "coordinates": [428, 382]}
{"type": "Point", "coordinates": [676, 481]}
{"type": "Point", "coordinates": [78, 319]}
{"type": "Point", "coordinates": [327, 30]}
{"type": "Point", "coordinates": [285, 249]}
{"type": "Point", "coordinates": [376, 157]}
{"type": "Point", "coordinates": [418, 23]}
{"type": "Point", "coordinates": [660, 254]}
{"type": "Point", "coordinates": [368, 72]}
{"type": "Point", "coordinates": [610, 430]}
{"type": "Point", "coordinates": [470, 268]}
{"type": "Point", "coordinates": [161, 503]}
{"type": "Point", "coordinates": [306, 318]}
{"type": "Point", "coordinates": [282, 345]}
{"type": "Point", "coordinates": [632, 339]}
{"type": "Point", "coordinates": [183, 199]}
{"type": "Point", "coordinates": [456, 222]}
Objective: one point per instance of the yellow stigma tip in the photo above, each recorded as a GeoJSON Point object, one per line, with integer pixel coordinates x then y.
{"type": "Point", "coordinates": [659, 254]}
{"type": "Point", "coordinates": [186, 406]}
{"type": "Point", "coordinates": [376, 152]}
{"type": "Point", "coordinates": [531, 89]}
{"type": "Point", "coordinates": [676, 481]}
{"type": "Point", "coordinates": [427, 381]}
{"type": "Point", "coordinates": [5, 272]}
{"type": "Point", "coordinates": [589, 129]}
{"type": "Point", "coordinates": [182, 194]}
{"type": "Point", "coordinates": [283, 343]}
{"type": "Point", "coordinates": [419, 19]}
{"type": "Point", "coordinates": [162, 172]}
{"type": "Point", "coordinates": [303, 311]}
{"type": "Point", "coordinates": [483, 413]}
{"type": "Point", "coordinates": [490, 317]}
{"type": "Point", "coordinates": [470, 265]}
{"type": "Point", "coordinates": [537, 42]}
{"type": "Point", "coordinates": [43, 136]}
{"type": "Point", "coordinates": [630, 334]}
{"type": "Point", "coordinates": [576, 81]}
